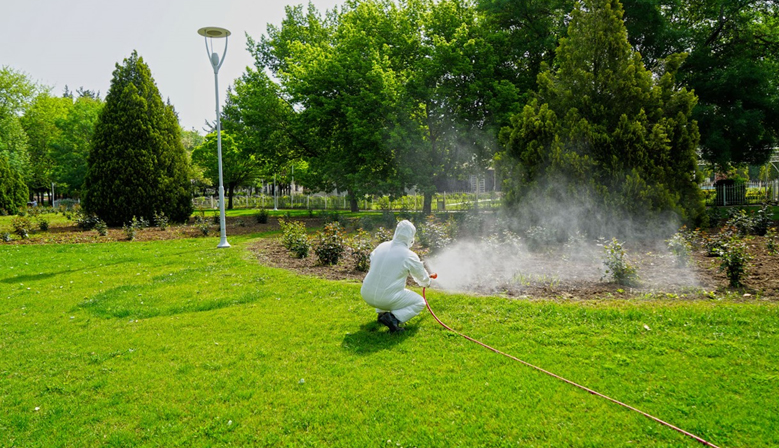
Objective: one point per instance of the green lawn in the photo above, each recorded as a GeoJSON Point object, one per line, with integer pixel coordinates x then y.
{"type": "Point", "coordinates": [176, 343]}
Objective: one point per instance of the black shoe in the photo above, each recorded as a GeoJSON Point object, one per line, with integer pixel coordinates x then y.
{"type": "Point", "coordinates": [391, 322]}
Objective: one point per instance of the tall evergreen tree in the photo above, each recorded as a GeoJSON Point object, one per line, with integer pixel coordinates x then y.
{"type": "Point", "coordinates": [603, 128]}
{"type": "Point", "coordinates": [13, 190]}
{"type": "Point", "coordinates": [137, 165]}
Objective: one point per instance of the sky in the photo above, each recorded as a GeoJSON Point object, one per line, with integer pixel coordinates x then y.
{"type": "Point", "coordinates": [78, 43]}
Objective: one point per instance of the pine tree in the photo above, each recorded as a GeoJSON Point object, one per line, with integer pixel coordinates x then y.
{"type": "Point", "coordinates": [605, 129]}
{"type": "Point", "coordinates": [137, 165]}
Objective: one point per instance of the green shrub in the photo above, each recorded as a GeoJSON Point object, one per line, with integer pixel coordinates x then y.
{"type": "Point", "coordinates": [262, 216]}
{"type": "Point", "coordinates": [733, 260]}
{"type": "Point", "coordinates": [43, 223]}
{"type": "Point", "coordinates": [160, 220]}
{"type": "Point", "coordinates": [294, 237]}
{"type": "Point", "coordinates": [101, 227]}
{"type": "Point", "coordinates": [771, 241]}
{"type": "Point", "coordinates": [680, 247]}
{"type": "Point", "coordinates": [201, 223]}
{"type": "Point", "coordinates": [617, 267]}
{"type": "Point", "coordinates": [361, 247]}
{"type": "Point", "coordinates": [742, 222]}
{"type": "Point", "coordinates": [761, 221]}
{"type": "Point", "coordinates": [130, 228]}
{"type": "Point", "coordinates": [84, 221]}
{"type": "Point", "coordinates": [713, 243]}
{"type": "Point", "coordinates": [383, 235]}
{"type": "Point", "coordinates": [22, 226]}
{"type": "Point", "coordinates": [436, 235]}
{"type": "Point", "coordinates": [5, 237]}
{"type": "Point", "coordinates": [329, 244]}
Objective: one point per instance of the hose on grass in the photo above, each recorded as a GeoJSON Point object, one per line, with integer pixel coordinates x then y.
{"type": "Point", "coordinates": [649, 416]}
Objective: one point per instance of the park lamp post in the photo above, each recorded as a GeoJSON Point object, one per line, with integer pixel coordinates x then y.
{"type": "Point", "coordinates": [213, 32]}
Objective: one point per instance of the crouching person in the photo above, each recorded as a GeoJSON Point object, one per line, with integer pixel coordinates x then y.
{"type": "Point", "coordinates": [385, 285]}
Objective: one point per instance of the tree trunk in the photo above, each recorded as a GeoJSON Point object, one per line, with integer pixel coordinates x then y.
{"type": "Point", "coordinates": [230, 189]}
{"type": "Point", "coordinates": [353, 205]}
{"type": "Point", "coordinates": [427, 205]}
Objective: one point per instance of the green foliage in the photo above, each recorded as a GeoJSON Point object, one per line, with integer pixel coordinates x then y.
{"type": "Point", "coordinates": [101, 227]}
{"type": "Point", "coordinates": [329, 244]}
{"type": "Point", "coordinates": [161, 221]}
{"type": "Point", "coordinates": [239, 166]}
{"type": "Point", "coordinates": [383, 234]}
{"type": "Point", "coordinates": [435, 234]}
{"type": "Point", "coordinates": [86, 221]}
{"type": "Point", "coordinates": [22, 226]}
{"type": "Point", "coordinates": [131, 228]}
{"type": "Point", "coordinates": [13, 190]}
{"type": "Point", "coordinates": [618, 268]}
{"type": "Point", "coordinates": [137, 165]}
{"type": "Point", "coordinates": [201, 224]}
{"type": "Point", "coordinates": [772, 241]}
{"type": "Point", "coordinates": [680, 247]}
{"type": "Point", "coordinates": [360, 247]}
{"type": "Point", "coordinates": [262, 216]}
{"type": "Point", "coordinates": [5, 237]}
{"type": "Point", "coordinates": [733, 260]}
{"type": "Point", "coordinates": [540, 238]}
{"type": "Point", "coordinates": [43, 223]}
{"type": "Point", "coordinates": [602, 128]}
{"type": "Point", "coordinates": [294, 237]}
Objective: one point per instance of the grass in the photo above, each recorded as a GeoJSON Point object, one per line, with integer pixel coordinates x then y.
{"type": "Point", "coordinates": [176, 343]}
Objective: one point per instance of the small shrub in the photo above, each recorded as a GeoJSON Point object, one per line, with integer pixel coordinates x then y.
{"type": "Point", "coordinates": [771, 241]}
{"type": "Point", "coordinates": [43, 223]}
{"type": "Point", "coordinates": [388, 219]}
{"type": "Point", "coordinates": [733, 260]}
{"type": "Point", "coordinates": [617, 266]}
{"type": "Point", "coordinates": [131, 228]}
{"type": "Point", "coordinates": [216, 219]}
{"type": "Point", "coordinates": [6, 237]}
{"type": "Point", "coordinates": [436, 235]}
{"type": "Point", "coordinates": [329, 244]}
{"type": "Point", "coordinates": [240, 223]}
{"type": "Point", "coordinates": [22, 226]}
{"type": "Point", "coordinates": [201, 224]}
{"type": "Point", "coordinates": [713, 243]}
{"type": "Point", "coordinates": [262, 216]}
{"type": "Point", "coordinates": [101, 227]}
{"type": "Point", "coordinates": [294, 237]}
{"type": "Point", "coordinates": [84, 221]}
{"type": "Point", "coordinates": [742, 222]}
{"type": "Point", "coordinates": [680, 247]}
{"type": "Point", "coordinates": [539, 238]}
{"type": "Point", "coordinates": [366, 223]}
{"type": "Point", "coordinates": [361, 247]}
{"type": "Point", "coordinates": [383, 235]}
{"type": "Point", "coordinates": [761, 221]}
{"type": "Point", "coordinates": [161, 221]}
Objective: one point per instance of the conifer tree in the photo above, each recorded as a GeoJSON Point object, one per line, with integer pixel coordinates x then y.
{"type": "Point", "coordinates": [13, 190]}
{"type": "Point", "coordinates": [137, 165]}
{"type": "Point", "coordinates": [602, 127]}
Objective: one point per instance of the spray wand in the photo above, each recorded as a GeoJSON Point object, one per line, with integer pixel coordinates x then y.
{"type": "Point", "coordinates": [675, 428]}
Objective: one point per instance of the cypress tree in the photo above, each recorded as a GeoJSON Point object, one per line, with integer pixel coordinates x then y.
{"type": "Point", "coordinates": [13, 190]}
{"type": "Point", "coordinates": [137, 165]}
{"type": "Point", "coordinates": [603, 131]}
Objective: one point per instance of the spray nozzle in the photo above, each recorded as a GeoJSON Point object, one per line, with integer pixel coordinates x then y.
{"type": "Point", "coordinates": [433, 276]}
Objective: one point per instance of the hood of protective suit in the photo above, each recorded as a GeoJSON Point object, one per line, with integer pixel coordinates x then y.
{"type": "Point", "coordinates": [404, 233]}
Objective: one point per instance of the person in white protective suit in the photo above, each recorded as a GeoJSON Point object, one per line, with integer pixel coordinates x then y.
{"type": "Point", "coordinates": [385, 285]}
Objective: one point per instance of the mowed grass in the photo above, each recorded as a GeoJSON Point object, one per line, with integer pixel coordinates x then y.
{"type": "Point", "coordinates": [177, 343]}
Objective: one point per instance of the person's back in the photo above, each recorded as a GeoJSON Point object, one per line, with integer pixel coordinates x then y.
{"type": "Point", "coordinates": [384, 286]}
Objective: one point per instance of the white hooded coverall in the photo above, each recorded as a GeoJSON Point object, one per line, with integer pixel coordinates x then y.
{"type": "Point", "coordinates": [391, 262]}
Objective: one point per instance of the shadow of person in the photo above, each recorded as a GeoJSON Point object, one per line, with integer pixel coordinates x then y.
{"type": "Point", "coordinates": [373, 337]}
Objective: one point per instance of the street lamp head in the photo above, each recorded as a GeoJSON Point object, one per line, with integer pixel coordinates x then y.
{"type": "Point", "coordinates": [213, 31]}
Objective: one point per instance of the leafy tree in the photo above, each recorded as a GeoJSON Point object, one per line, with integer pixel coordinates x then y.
{"type": "Point", "coordinates": [733, 68]}
{"type": "Point", "coordinates": [604, 128]}
{"type": "Point", "coordinates": [137, 165]}
{"type": "Point", "coordinates": [40, 124]}
{"type": "Point", "coordinates": [69, 151]}
{"type": "Point", "coordinates": [13, 190]}
{"type": "Point", "coordinates": [16, 92]}
{"type": "Point", "coordinates": [239, 167]}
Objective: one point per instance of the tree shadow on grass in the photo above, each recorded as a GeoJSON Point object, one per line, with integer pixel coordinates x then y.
{"type": "Point", "coordinates": [373, 337]}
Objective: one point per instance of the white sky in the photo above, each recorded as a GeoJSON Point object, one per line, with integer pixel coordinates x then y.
{"type": "Point", "coordinates": [78, 42]}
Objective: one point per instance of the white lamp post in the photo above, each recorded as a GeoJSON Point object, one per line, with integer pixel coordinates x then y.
{"type": "Point", "coordinates": [215, 32]}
